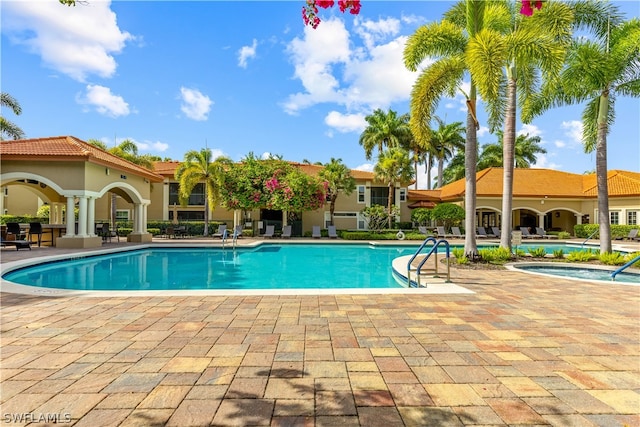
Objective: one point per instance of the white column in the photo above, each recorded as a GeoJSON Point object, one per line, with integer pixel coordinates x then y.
{"type": "Point", "coordinates": [145, 209]}
{"type": "Point", "coordinates": [91, 216]}
{"type": "Point", "coordinates": [82, 217]}
{"type": "Point", "coordinates": [578, 218]}
{"type": "Point", "coordinates": [284, 218]}
{"type": "Point", "coordinates": [541, 220]}
{"type": "Point", "coordinates": [137, 218]}
{"type": "Point", "coordinates": [71, 217]}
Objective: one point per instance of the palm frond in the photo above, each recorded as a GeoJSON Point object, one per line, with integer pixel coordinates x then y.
{"type": "Point", "coordinates": [438, 39]}
{"type": "Point", "coordinates": [486, 56]}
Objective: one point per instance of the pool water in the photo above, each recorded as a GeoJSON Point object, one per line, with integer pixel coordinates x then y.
{"type": "Point", "coordinates": [269, 266]}
{"type": "Point", "coordinates": [582, 273]}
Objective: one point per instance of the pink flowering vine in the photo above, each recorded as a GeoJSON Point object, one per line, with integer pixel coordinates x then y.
{"type": "Point", "coordinates": [527, 8]}
{"type": "Point", "coordinates": [310, 10]}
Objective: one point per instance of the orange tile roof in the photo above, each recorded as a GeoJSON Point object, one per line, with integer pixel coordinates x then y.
{"type": "Point", "coordinates": [533, 182]}
{"type": "Point", "coordinates": [68, 148]}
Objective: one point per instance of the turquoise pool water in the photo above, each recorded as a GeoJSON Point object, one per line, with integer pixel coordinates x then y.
{"type": "Point", "coordinates": [269, 266]}
{"type": "Point", "coordinates": [577, 272]}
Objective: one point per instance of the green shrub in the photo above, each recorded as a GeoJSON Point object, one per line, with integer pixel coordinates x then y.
{"type": "Point", "coordinates": [462, 260]}
{"type": "Point", "coordinates": [558, 253]}
{"type": "Point", "coordinates": [612, 258]}
{"type": "Point", "coordinates": [584, 255]}
{"type": "Point", "coordinates": [520, 253]}
{"type": "Point", "coordinates": [563, 235]}
{"type": "Point", "coordinates": [458, 252]}
{"type": "Point", "coordinates": [497, 255]}
{"type": "Point", "coordinates": [538, 252]}
{"type": "Point", "coordinates": [153, 231]}
{"type": "Point", "coordinates": [629, 257]}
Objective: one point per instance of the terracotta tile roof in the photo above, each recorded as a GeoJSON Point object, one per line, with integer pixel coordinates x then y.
{"type": "Point", "coordinates": [68, 148]}
{"type": "Point", "coordinates": [535, 182]}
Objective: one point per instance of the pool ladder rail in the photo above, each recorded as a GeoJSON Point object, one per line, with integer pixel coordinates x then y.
{"type": "Point", "coordinates": [432, 251]}
{"type": "Point", "coordinates": [234, 238]}
{"type": "Point", "coordinates": [624, 267]}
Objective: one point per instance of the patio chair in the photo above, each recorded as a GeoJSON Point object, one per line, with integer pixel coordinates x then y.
{"type": "Point", "coordinates": [332, 232]}
{"type": "Point", "coordinates": [496, 232]}
{"type": "Point", "coordinates": [526, 234]}
{"type": "Point", "coordinates": [170, 232]}
{"type": "Point", "coordinates": [423, 230]}
{"type": "Point", "coordinates": [13, 229]}
{"type": "Point", "coordinates": [482, 233]}
{"type": "Point", "coordinates": [269, 231]}
{"type": "Point", "coordinates": [19, 244]}
{"type": "Point", "coordinates": [286, 232]}
{"type": "Point", "coordinates": [457, 233]}
{"type": "Point", "coordinates": [237, 231]}
{"type": "Point", "coordinates": [441, 232]}
{"type": "Point", "coordinates": [35, 228]}
{"type": "Point", "coordinates": [106, 233]}
{"type": "Point", "coordinates": [315, 232]}
{"type": "Point", "coordinates": [220, 232]}
{"type": "Point", "coordinates": [180, 231]}
{"type": "Point", "coordinates": [540, 232]}
{"type": "Point", "coordinates": [633, 235]}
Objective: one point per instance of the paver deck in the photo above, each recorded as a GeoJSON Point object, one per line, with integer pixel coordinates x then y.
{"type": "Point", "coordinates": [521, 350]}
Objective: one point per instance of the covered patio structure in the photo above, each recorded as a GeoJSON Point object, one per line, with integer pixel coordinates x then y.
{"type": "Point", "coordinates": [67, 173]}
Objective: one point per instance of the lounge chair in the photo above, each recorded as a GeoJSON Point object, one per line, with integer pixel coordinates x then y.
{"type": "Point", "coordinates": [237, 231]}
{"type": "Point", "coordinates": [633, 234]}
{"type": "Point", "coordinates": [457, 233]}
{"type": "Point", "coordinates": [540, 232]}
{"type": "Point", "coordinates": [286, 232]}
{"type": "Point", "coordinates": [35, 228]}
{"type": "Point", "coordinates": [19, 244]}
{"type": "Point", "coordinates": [269, 231]}
{"type": "Point", "coordinates": [482, 233]}
{"type": "Point", "coordinates": [221, 229]}
{"type": "Point", "coordinates": [526, 234]}
{"type": "Point", "coordinates": [13, 229]}
{"type": "Point", "coordinates": [315, 232]}
{"type": "Point", "coordinates": [441, 232]}
{"type": "Point", "coordinates": [332, 232]}
{"type": "Point", "coordinates": [496, 232]}
{"type": "Point", "coordinates": [423, 230]}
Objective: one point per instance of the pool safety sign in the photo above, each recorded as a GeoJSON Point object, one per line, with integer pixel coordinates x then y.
{"type": "Point", "coordinates": [516, 238]}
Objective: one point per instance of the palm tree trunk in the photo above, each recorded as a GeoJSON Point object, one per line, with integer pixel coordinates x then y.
{"type": "Point", "coordinates": [114, 206]}
{"type": "Point", "coordinates": [601, 175]}
{"type": "Point", "coordinates": [508, 144]}
{"type": "Point", "coordinates": [206, 209]}
{"type": "Point", "coordinates": [440, 171]}
{"type": "Point", "coordinates": [470, 160]}
{"type": "Point", "coordinates": [428, 166]}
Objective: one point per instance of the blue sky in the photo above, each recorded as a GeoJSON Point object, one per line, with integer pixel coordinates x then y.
{"type": "Point", "coordinates": [242, 77]}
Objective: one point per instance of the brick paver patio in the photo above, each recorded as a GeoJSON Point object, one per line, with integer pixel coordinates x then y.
{"type": "Point", "coordinates": [522, 350]}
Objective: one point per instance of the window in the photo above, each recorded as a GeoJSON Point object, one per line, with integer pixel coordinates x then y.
{"type": "Point", "coordinates": [403, 195]}
{"type": "Point", "coordinates": [122, 215]}
{"type": "Point", "coordinates": [632, 217]}
{"type": "Point", "coordinates": [380, 196]}
{"type": "Point", "coordinates": [361, 194]}
{"type": "Point", "coordinates": [614, 217]}
{"type": "Point", "coordinates": [196, 198]}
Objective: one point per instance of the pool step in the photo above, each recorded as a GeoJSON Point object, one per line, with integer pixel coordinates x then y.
{"type": "Point", "coordinates": [428, 274]}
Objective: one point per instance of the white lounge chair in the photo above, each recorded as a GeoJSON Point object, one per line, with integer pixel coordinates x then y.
{"type": "Point", "coordinates": [441, 232]}
{"type": "Point", "coordinates": [540, 232]}
{"type": "Point", "coordinates": [457, 233]}
{"type": "Point", "coordinates": [220, 232]}
{"type": "Point", "coordinates": [496, 232]}
{"type": "Point", "coordinates": [526, 234]}
{"type": "Point", "coordinates": [332, 232]}
{"type": "Point", "coordinates": [315, 232]}
{"type": "Point", "coordinates": [482, 233]}
{"type": "Point", "coordinates": [286, 232]}
{"type": "Point", "coordinates": [269, 231]}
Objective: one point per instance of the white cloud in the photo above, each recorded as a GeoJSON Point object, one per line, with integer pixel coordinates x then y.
{"type": "Point", "coordinates": [367, 167]}
{"type": "Point", "coordinates": [216, 152]}
{"type": "Point", "coordinates": [77, 41]}
{"type": "Point", "coordinates": [530, 129]}
{"type": "Point", "coordinates": [543, 162]}
{"type": "Point", "coordinates": [346, 122]}
{"type": "Point", "coordinates": [104, 102]}
{"type": "Point", "coordinates": [247, 52]}
{"type": "Point", "coordinates": [195, 105]}
{"type": "Point", "coordinates": [363, 79]}
{"type": "Point", "coordinates": [559, 143]}
{"type": "Point", "coordinates": [152, 146]}
{"type": "Point", "coordinates": [266, 155]}
{"type": "Point", "coordinates": [482, 131]}
{"type": "Point", "coordinates": [573, 129]}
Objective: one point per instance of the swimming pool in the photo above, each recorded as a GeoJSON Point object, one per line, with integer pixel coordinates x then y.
{"type": "Point", "coordinates": [268, 266]}
{"type": "Point", "coordinates": [578, 272]}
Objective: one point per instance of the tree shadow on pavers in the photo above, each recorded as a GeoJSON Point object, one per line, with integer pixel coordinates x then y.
{"type": "Point", "coordinates": [8, 299]}
{"type": "Point", "coordinates": [436, 417]}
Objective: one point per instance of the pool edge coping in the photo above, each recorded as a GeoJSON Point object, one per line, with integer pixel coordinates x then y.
{"type": "Point", "coordinates": [514, 267]}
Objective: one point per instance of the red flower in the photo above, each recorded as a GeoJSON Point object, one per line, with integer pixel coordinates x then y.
{"type": "Point", "coordinates": [526, 8]}
{"type": "Point", "coordinates": [310, 10]}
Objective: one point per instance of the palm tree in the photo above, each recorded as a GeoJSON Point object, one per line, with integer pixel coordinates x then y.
{"type": "Point", "coordinates": [525, 150]}
{"type": "Point", "coordinates": [393, 165]}
{"type": "Point", "coordinates": [446, 43]}
{"type": "Point", "coordinates": [419, 155]}
{"type": "Point", "coordinates": [7, 128]}
{"type": "Point", "coordinates": [445, 141]}
{"type": "Point", "coordinates": [199, 167]}
{"type": "Point", "coordinates": [384, 130]}
{"type": "Point", "coordinates": [506, 60]}
{"type": "Point", "coordinates": [597, 70]}
{"type": "Point", "coordinates": [338, 178]}
{"type": "Point", "coordinates": [455, 169]}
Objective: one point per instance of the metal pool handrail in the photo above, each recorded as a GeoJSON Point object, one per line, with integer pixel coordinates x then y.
{"type": "Point", "coordinates": [590, 236]}
{"type": "Point", "coordinates": [436, 243]}
{"type": "Point", "coordinates": [624, 267]}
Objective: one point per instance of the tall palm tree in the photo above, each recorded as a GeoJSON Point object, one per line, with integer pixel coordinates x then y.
{"type": "Point", "coordinates": [8, 128]}
{"type": "Point", "coordinates": [506, 60]}
{"type": "Point", "coordinates": [445, 141]}
{"type": "Point", "coordinates": [393, 165]}
{"type": "Point", "coordinates": [384, 130]}
{"type": "Point", "coordinates": [419, 155]}
{"type": "Point", "coordinates": [446, 43]}
{"type": "Point", "coordinates": [338, 178]}
{"type": "Point", "coordinates": [199, 167]}
{"type": "Point", "coordinates": [597, 70]}
{"type": "Point", "coordinates": [525, 150]}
